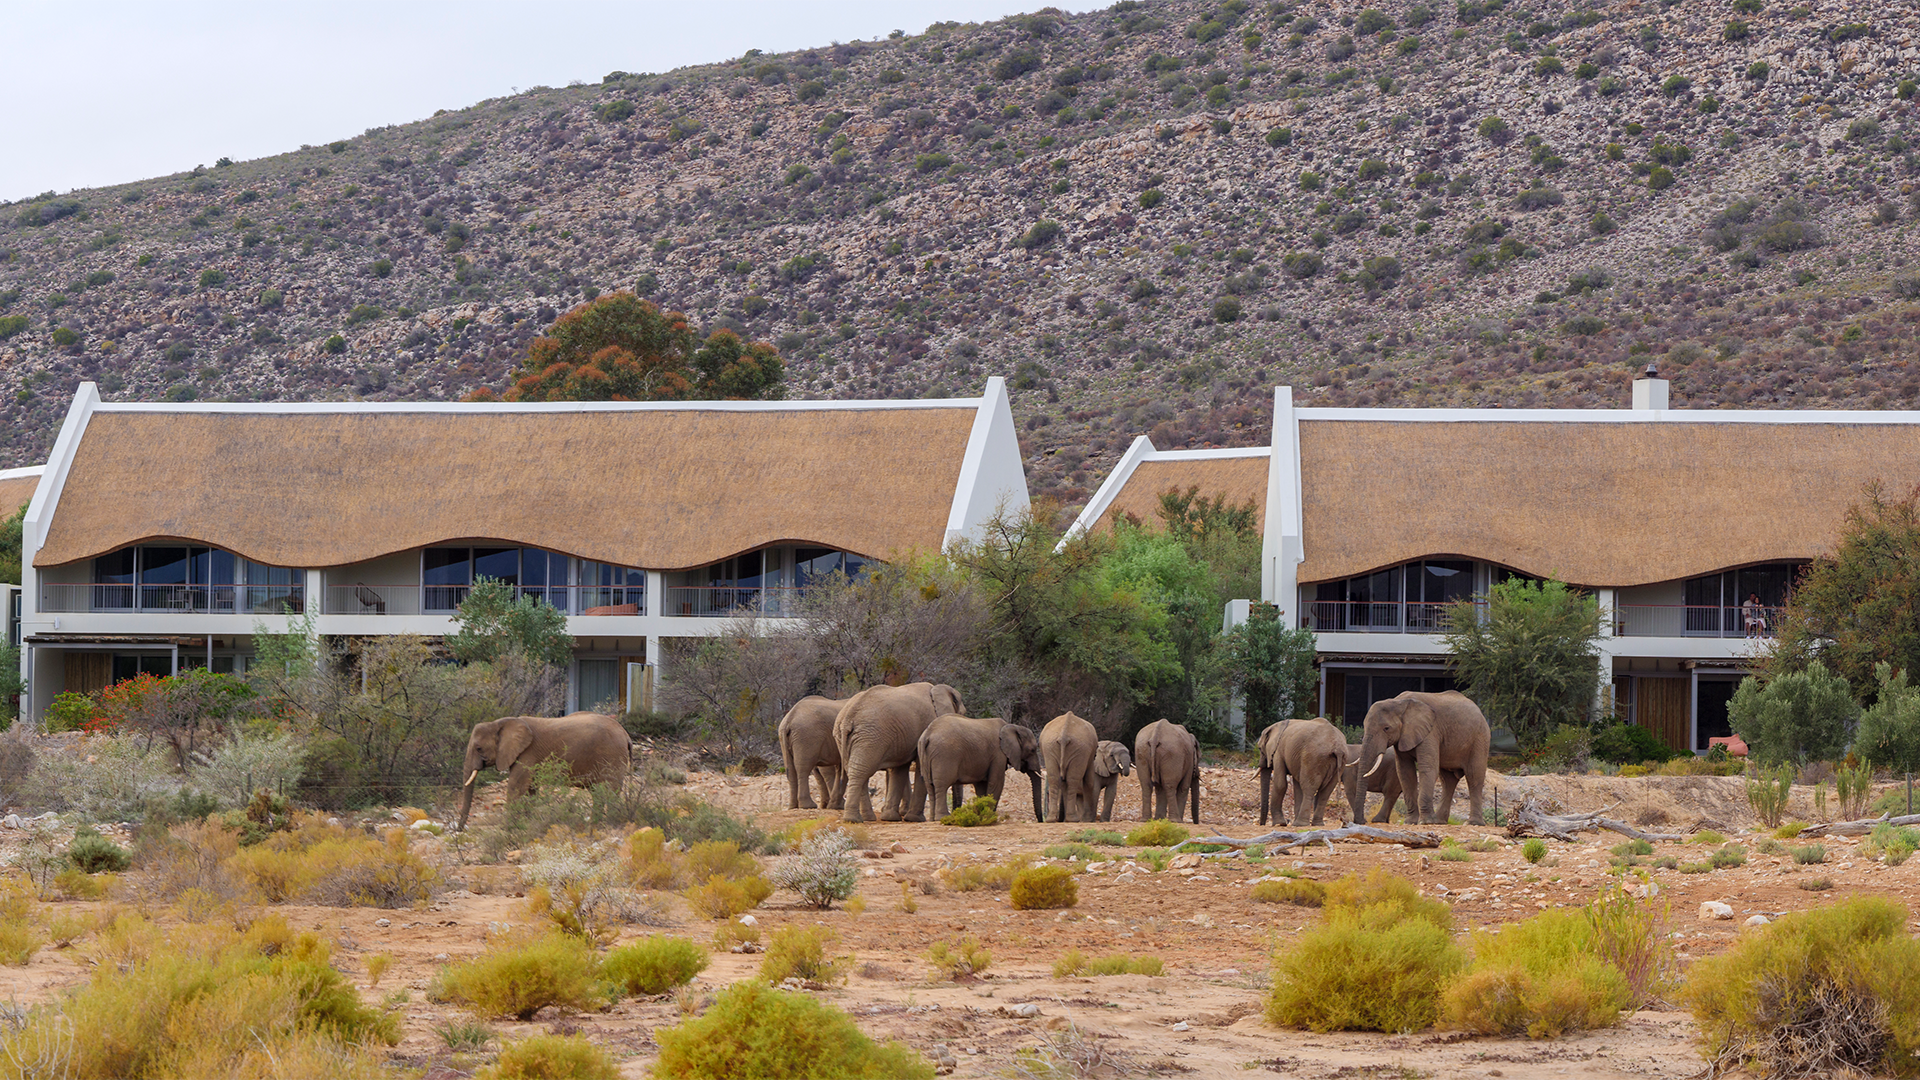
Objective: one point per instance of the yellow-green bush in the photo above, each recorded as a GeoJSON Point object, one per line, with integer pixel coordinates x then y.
{"type": "Point", "coordinates": [754, 1030]}
{"type": "Point", "coordinates": [19, 940]}
{"type": "Point", "coordinates": [551, 1057]}
{"type": "Point", "coordinates": [650, 863]}
{"type": "Point", "coordinates": [1364, 969]}
{"type": "Point", "coordinates": [1816, 993]}
{"type": "Point", "coordinates": [793, 836]}
{"type": "Point", "coordinates": [975, 876]}
{"type": "Point", "coordinates": [721, 898]}
{"type": "Point", "coordinates": [1534, 850]}
{"type": "Point", "coordinates": [654, 965]}
{"type": "Point", "coordinates": [1305, 892]}
{"type": "Point", "coordinates": [1074, 962]}
{"type": "Point", "coordinates": [1542, 977]}
{"type": "Point", "coordinates": [1382, 889]}
{"type": "Point", "coordinates": [335, 867]}
{"type": "Point", "coordinates": [1044, 887]}
{"type": "Point", "coordinates": [77, 884]}
{"type": "Point", "coordinates": [518, 978]}
{"type": "Point", "coordinates": [979, 810]}
{"type": "Point", "coordinates": [1157, 833]}
{"type": "Point", "coordinates": [800, 952]}
{"type": "Point", "coordinates": [959, 959]}
{"type": "Point", "coordinates": [207, 1002]}
{"type": "Point", "coordinates": [709, 858]}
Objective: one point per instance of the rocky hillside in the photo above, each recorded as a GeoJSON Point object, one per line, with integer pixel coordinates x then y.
{"type": "Point", "coordinates": [1146, 216]}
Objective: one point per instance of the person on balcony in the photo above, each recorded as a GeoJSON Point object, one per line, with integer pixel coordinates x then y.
{"type": "Point", "coordinates": [1755, 616]}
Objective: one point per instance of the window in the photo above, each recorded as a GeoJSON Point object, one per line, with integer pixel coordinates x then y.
{"type": "Point", "coordinates": [1738, 603]}
{"type": "Point", "coordinates": [448, 574]}
{"type": "Point", "coordinates": [599, 685]}
{"type": "Point", "coordinates": [445, 573]}
{"type": "Point", "coordinates": [812, 563]}
{"type": "Point", "coordinates": [129, 665]}
{"type": "Point", "coordinates": [765, 581]}
{"type": "Point", "coordinates": [606, 589]}
{"type": "Point", "coordinates": [171, 577]}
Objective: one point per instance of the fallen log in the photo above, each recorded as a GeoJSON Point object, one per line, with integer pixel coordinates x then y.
{"type": "Point", "coordinates": [1858, 828]}
{"type": "Point", "coordinates": [1283, 839]}
{"type": "Point", "coordinates": [1531, 819]}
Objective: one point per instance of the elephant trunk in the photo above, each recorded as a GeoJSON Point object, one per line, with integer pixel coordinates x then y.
{"type": "Point", "coordinates": [466, 801]}
{"type": "Point", "coordinates": [1039, 801]}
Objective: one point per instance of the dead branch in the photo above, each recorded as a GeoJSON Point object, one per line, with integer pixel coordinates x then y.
{"type": "Point", "coordinates": [1858, 828]}
{"type": "Point", "coordinates": [1363, 833]}
{"type": "Point", "coordinates": [1530, 819]}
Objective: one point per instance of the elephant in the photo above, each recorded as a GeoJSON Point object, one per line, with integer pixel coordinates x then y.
{"type": "Point", "coordinates": [1068, 746]}
{"type": "Point", "coordinates": [594, 746]}
{"type": "Point", "coordinates": [808, 749]}
{"type": "Point", "coordinates": [977, 750]}
{"type": "Point", "coordinates": [1111, 761]}
{"type": "Point", "coordinates": [879, 729]}
{"type": "Point", "coordinates": [1386, 782]}
{"type": "Point", "coordinates": [1437, 739]}
{"type": "Point", "coordinates": [1268, 745]}
{"type": "Point", "coordinates": [1312, 754]}
{"type": "Point", "coordinates": [1167, 757]}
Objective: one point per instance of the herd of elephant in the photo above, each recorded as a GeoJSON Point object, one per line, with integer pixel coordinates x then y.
{"type": "Point", "coordinates": [1420, 744]}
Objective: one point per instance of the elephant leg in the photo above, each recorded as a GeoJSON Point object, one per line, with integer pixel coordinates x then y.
{"type": "Point", "coordinates": [1266, 791]}
{"type": "Point", "coordinates": [916, 795]}
{"type": "Point", "coordinates": [1146, 794]}
{"type": "Point", "coordinates": [519, 781]}
{"type": "Point", "coordinates": [1448, 781]}
{"type": "Point", "coordinates": [836, 788]}
{"type": "Point", "coordinates": [1427, 762]}
{"type": "Point", "coordinates": [1476, 785]}
{"type": "Point", "coordinates": [797, 796]}
{"type": "Point", "coordinates": [858, 806]}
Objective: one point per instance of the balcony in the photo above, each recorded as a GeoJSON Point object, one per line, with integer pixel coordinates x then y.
{"type": "Point", "coordinates": [719, 602]}
{"type": "Point", "coordinates": [443, 599]}
{"type": "Point", "coordinates": [1364, 617]}
{"type": "Point", "coordinates": [1689, 620]}
{"type": "Point", "coordinates": [185, 599]}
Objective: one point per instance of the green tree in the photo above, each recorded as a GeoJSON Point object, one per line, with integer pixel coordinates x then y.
{"type": "Point", "coordinates": [1272, 666]}
{"type": "Point", "coordinates": [11, 684]}
{"type": "Point", "coordinates": [1889, 733]}
{"type": "Point", "coordinates": [1159, 568]}
{"type": "Point", "coordinates": [1532, 661]}
{"type": "Point", "coordinates": [494, 623]}
{"type": "Point", "coordinates": [1059, 634]}
{"type": "Point", "coordinates": [12, 531]}
{"type": "Point", "coordinates": [1794, 718]}
{"type": "Point", "coordinates": [1859, 606]}
{"type": "Point", "coordinates": [619, 347]}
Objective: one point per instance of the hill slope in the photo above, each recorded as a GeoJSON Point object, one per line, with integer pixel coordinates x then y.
{"type": "Point", "coordinates": [1147, 215]}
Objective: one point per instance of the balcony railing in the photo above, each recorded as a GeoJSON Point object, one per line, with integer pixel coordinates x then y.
{"type": "Point", "coordinates": [1365, 617]}
{"type": "Point", "coordinates": [1692, 620]}
{"type": "Point", "coordinates": [711, 601]}
{"type": "Point", "coordinates": [443, 599]}
{"type": "Point", "coordinates": [202, 599]}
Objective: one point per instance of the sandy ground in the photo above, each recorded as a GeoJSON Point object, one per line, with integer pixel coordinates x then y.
{"type": "Point", "coordinates": [1202, 1018]}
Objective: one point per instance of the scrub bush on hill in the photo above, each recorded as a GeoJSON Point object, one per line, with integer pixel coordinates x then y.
{"type": "Point", "coordinates": [1378, 961]}
{"type": "Point", "coordinates": [755, 1030]}
{"type": "Point", "coordinates": [1561, 971]}
{"type": "Point", "coordinates": [520, 977]}
{"type": "Point", "coordinates": [654, 965]}
{"type": "Point", "coordinates": [551, 1057]}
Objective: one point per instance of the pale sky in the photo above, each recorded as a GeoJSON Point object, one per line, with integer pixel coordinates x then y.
{"type": "Point", "coordinates": [114, 91]}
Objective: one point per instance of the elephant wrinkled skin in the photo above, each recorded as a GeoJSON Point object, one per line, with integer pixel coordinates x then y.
{"type": "Point", "coordinates": [1068, 746]}
{"type": "Point", "coordinates": [1386, 781]}
{"type": "Point", "coordinates": [594, 746]}
{"type": "Point", "coordinates": [808, 750]}
{"type": "Point", "coordinates": [1438, 739]}
{"type": "Point", "coordinates": [879, 729]}
{"type": "Point", "coordinates": [1310, 753]}
{"type": "Point", "coordinates": [1111, 761]}
{"type": "Point", "coordinates": [1167, 757]}
{"type": "Point", "coordinates": [1268, 747]}
{"type": "Point", "coordinates": [977, 750]}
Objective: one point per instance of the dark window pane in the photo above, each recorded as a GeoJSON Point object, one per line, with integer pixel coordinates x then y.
{"type": "Point", "coordinates": [114, 568]}
{"type": "Point", "coordinates": [748, 567]}
{"type": "Point", "coordinates": [125, 667]}
{"type": "Point", "coordinates": [1712, 717]}
{"type": "Point", "coordinates": [222, 568]}
{"type": "Point", "coordinates": [163, 566]}
{"type": "Point", "coordinates": [533, 568]}
{"type": "Point", "coordinates": [1355, 712]}
{"type": "Point", "coordinates": [1445, 582]}
{"type": "Point", "coordinates": [161, 666]}
{"type": "Point", "coordinates": [501, 564]}
{"type": "Point", "coordinates": [599, 684]}
{"type": "Point", "coordinates": [445, 566]}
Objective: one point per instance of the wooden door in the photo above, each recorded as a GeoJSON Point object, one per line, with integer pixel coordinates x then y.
{"type": "Point", "coordinates": [1661, 706]}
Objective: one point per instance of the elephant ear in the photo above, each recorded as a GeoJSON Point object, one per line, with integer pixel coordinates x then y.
{"type": "Point", "coordinates": [1103, 763]}
{"type": "Point", "coordinates": [1010, 745]}
{"type": "Point", "coordinates": [1416, 723]}
{"type": "Point", "coordinates": [516, 736]}
{"type": "Point", "coordinates": [947, 700]}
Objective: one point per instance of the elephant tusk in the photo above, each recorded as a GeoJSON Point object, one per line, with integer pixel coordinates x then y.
{"type": "Point", "coordinates": [470, 777]}
{"type": "Point", "coordinates": [1377, 762]}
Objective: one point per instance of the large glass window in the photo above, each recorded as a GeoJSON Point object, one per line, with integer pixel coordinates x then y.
{"type": "Point", "coordinates": [172, 577]}
{"type": "Point", "coordinates": [1735, 603]}
{"type": "Point", "coordinates": [448, 574]}
{"type": "Point", "coordinates": [599, 685]}
{"type": "Point", "coordinates": [606, 589]}
{"type": "Point", "coordinates": [812, 563]}
{"type": "Point", "coordinates": [1414, 597]}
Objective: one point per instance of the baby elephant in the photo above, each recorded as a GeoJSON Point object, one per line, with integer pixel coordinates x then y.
{"type": "Point", "coordinates": [1111, 761]}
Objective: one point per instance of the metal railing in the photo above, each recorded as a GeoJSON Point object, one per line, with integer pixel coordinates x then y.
{"type": "Point", "coordinates": [720, 601]}
{"type": "Point", "coordinates": [443, 599]}
{"type": "Point", "coordinates": [1367, 617]}
{"type": "Point", "coordinates": [1695, 620]}
{"type": "Point", "coordinates": [201, 599]}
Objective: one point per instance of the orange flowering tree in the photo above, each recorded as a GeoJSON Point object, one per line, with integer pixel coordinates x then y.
{"type": "Point", "coordinates": [619, 347]}
{"type": "Point", "coordinates": [181, 710]}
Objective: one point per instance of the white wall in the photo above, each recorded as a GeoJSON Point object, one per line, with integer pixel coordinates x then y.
{"type": "Point", "coordinates": [992, 475]}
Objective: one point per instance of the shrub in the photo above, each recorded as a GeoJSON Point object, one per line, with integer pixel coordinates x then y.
{"type": "Point", "coordinates": [960, 959]}
{"type": "Point", "coordinates": [92, 853]}
{"type": "Point", "coordinates": [1809, 855]}
{"type": "Point", "coordinates": [1767, 793]}
{"type": "Point", "coordinates": [976, 876]}
{"type": "Point", "coordinates": [1539, 198]}
{"type": "Point", "coordinates": [979, 810]}
{"type": "Point", "coordinates": [754, 1030]}
{"type": "Point", "coordinates": [520, 978]}
{"type": "Point", "coordinates": [1728, 857]}
{"type": "Point", "coordinates": [212, 278]}
{"type": "Point", "coordinates": [1819, 992]}
{"type": "Point", "coordinates": [1534, 850]}
{"type": "Point", "coordinates": [1622, 743]}
{"type": "Point", "coordinates": [1073, 851]}
{"type": "Point", "coordinates": [1226, 309]}
{"type": "Point", "coordinates": [1101, 837]}
{"type": "Point", "coordinates": [1301, 264]}
{"type": "Point", "coordinates": [551, 1057]}
{"type": "Point", "coordinates": [1707, 836]}
{"type": "Point", "coordinates": [1041, 234]}
{"type": "Point", "coordinates": [825, 869]}
{"type": "Point", "coordinates": [1894, 843]}
{"type": "Point", "coordinates": [1452, 852]}
{"type": "Point", "coordinates": [333, 866]}
{"type": "Point", "coordinates": [1633, 847]}
{"type": "Point", "coordinates": [1157, 834]}
{"type": "Point", "coordinates": [1380, 889]}
{"type": "Point", "coordinates": [1302, 891]}
{"type": "Point", "coordinates": [1363, 969]}
{"type": "Point", "coordinates": [1539, 977]}
{"type": "Point", "coordinates": [1044, 887]}
{"type": "Point", "coordinates": [800, 952]}
{"type": "Point", "coordinates": [654, 965]}
{"type": "Point", "coordinates": [1796, 717]}
{"type": "Point", "coordinates": [720, 898]}
{"type": "Point", "coordinates": [1121, 964]}
{"type": "Point", "coordinates": [334, 344]}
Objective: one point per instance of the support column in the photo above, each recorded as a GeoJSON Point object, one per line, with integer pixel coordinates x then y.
{"type": "Point", "coordinates": [1602, 691]}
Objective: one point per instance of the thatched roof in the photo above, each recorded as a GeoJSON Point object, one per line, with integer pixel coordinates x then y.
{"type": "Point", "coordinates": [1592, 503]}
{"type": "Point", "coordinates": [665, 489]}
{"type": "Point", "coordinates": [1238, 478]}
{"type": "Point", "coordinates": [16, 492]}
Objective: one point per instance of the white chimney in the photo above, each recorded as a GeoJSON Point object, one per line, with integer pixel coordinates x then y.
{"type": "Point", "coordinates": [1649, 391]}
